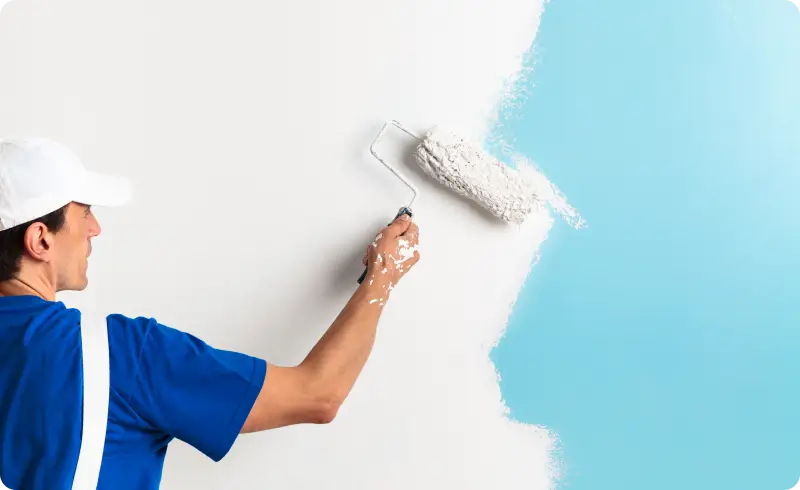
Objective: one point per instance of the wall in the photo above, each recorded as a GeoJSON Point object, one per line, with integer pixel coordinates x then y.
{"type": "Point", "coordinates": [245, 129]}
{"type": "Point", "coordinates": [663, 339]}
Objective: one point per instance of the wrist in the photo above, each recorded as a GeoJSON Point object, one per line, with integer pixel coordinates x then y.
{"type": "Point", "coordinates": [376, 286]}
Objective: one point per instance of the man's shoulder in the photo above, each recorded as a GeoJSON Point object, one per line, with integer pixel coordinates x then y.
{"type": "Point", "coordinates": [140, 330]}
{"type": "Point", "coordinates": [136, 339]}
{"type": "Point", "coordinates": [120, 323]}
{"type": "Point", "coordinates": [127, 341]}
{"type": "Point", "coordinates": [130, 332]}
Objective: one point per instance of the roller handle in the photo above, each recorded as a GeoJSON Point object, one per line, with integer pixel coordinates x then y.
{"type": "Point", "coordinates": [403, 210]}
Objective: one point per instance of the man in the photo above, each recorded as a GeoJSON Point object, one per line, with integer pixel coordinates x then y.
{"type": "Point", "coordinates": [165, 383]}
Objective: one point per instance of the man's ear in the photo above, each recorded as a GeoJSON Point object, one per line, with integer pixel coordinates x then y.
{"type": "Point", "coordinates": [39, 242]}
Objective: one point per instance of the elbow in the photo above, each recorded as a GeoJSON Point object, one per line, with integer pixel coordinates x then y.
{"type": "Point", "coordinates": [325, 410]}
{"type": "Point", "coordinates": [323, 396]}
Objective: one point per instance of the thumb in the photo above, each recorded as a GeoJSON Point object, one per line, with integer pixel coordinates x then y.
{"type": "Point", "coordinates": [399, 226]}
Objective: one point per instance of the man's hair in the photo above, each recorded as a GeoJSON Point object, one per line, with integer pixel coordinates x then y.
{"type": "Point", "coordinates": [12, 241]}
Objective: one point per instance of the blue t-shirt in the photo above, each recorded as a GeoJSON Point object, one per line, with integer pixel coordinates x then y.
{"type": "Point", "coordinates": [165, 384]}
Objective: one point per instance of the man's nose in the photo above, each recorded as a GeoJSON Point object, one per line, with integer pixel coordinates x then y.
{"type": "Point", "coordinates": [94, 229]}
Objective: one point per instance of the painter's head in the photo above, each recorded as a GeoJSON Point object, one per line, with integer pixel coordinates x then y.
{"type": "Point", "coordinates": [46, 219]}
{"type": "Point", "coordinates": [54, 248]}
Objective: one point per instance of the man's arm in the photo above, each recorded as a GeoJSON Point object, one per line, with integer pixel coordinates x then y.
{"type": "Point", "coordinates": [313, 391]}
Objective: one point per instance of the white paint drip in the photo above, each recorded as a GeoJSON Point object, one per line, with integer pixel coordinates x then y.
{"type": "Point", "coordinates": [406, 252]}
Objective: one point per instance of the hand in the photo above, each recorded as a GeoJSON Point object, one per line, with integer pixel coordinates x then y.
{"type": "Point", "coordinates": [391, 255]}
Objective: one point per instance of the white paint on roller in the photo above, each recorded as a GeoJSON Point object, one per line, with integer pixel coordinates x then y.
{"type": "Point", "coordinates": [509, 193]}
{"type": "Point", "coordinates": [475, 174]}
{"type": "Point", "coordinates": [245, 127]}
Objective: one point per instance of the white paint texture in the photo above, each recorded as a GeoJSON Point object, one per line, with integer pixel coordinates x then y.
{"type": "Point", "coordinates": [475, 174]}
{"type": "Point", "coordinates": [245, 127]}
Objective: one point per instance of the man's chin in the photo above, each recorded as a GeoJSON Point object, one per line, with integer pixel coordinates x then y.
{"type": "Point", "coordinates": [78, 285]}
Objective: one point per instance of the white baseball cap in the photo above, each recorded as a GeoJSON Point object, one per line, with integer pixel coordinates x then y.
{"type": "Point", "coordinates": [39, 176]}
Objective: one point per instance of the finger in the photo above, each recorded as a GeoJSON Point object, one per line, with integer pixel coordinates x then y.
{"type": "Point", "coordinates": [412, 233]}
{"type": "Point", "coordinates": [414, 259]}
{"type": "Point", "coordinates": [411, 263]}
{"type": "Point", "coordinates": [399, 226]}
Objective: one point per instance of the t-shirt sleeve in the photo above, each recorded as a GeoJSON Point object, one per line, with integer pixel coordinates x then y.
{"type": "Point", "coordinates": [192, 391]}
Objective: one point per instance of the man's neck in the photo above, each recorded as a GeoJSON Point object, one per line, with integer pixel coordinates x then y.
{"type": "Point", "coordinates": [18, 286]}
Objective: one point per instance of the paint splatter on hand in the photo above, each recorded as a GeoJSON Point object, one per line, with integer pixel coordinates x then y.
{"type": "Point", "coordinates": [393, 252]}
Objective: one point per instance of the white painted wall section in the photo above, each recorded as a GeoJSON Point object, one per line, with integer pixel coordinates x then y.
{"type": "Point", "coordinates": [245, 127]}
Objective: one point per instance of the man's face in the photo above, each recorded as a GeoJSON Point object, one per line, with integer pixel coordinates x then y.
{"type": "Point", "coordinates": [73, 246]}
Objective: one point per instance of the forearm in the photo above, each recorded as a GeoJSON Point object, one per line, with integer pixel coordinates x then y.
{"type": "Point", "coordinates": [337, 359]}
{"type": "Point", "coordinates": [312, 391]}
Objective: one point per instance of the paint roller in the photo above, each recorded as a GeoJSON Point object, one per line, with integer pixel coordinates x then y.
{"type": "Point", "coordinates": [467, 170]}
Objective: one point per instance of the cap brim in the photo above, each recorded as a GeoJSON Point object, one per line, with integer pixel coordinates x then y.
{"type": "Point", "coordinates": [104, 190]}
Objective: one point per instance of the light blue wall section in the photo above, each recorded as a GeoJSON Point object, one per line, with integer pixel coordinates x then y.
{"type": "Point", "coordinates": [662, 343]}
